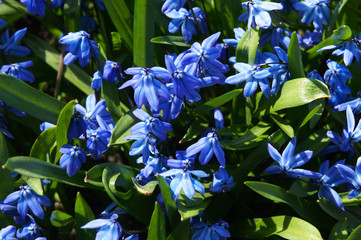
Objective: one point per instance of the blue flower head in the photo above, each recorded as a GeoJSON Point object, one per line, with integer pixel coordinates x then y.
{"type": "Point", "coordinates": [352, 176]}
{"type": "Point", "coordinates": [35, 6]}
{"type": "Point", "coordinates": [238, 34]}
{"type": "Point", "coordinates": [77, 126]}
{"type": "Point", "coordinates": [310, 39]}
{"type": "Point", "coordinates": [26, 198]}
{"type": "Point", "coordinates": [8, 233]}
{"type": "Point", "coordinates": [353, 132]}
{"type": "Point", "coordinates": [171, 107]}
{"type": "Point", "coordinates": [72, 159]}
{"type": "Point", "coordinates": [218, 118]}
{"type": "Point", "coordinates": [79, 46]}
{"type": "Point", "coordinates": [9, 44]}
{"type": "Point", "coordinates": [98, 141]}
{"type": "Point", "coordinates": [112, 71]}
{"type": "Point", "coordinates": [287, 161]}
{"type": "Point", "coordinates": [216, 231]}
{"type": "Point", "coordinates": [17, 70]}
{"type": "Point", "coordinates": [144, 144]}
{"type": "Point", "coordinates": [278, 36]}
{"type": "Point", "coordinates": [88, 23]}
{"type": "Point", "coordinates": [341, 143]}
{"type": "Point", "coordinates": [257, 13]}
{"type": "Point", "coordinates": [97, 80]}
{"type": "Point", "coordinates": [108, 228]}
{"type": "Point", "coordinates": [314, 10]}
{"type": "Point", "coordinates": [221, 181]}
{"type": "Point", "coordinates": [171, 5]}
{"type": "Point", "coordinates": [46, 125]}
{"type": "Point", "coordinates": [30, 230]}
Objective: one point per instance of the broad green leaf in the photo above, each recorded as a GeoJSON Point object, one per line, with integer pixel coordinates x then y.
{"type": "Point", "coordinates": [288, 227]}
{"type": "Point", "coordinates": [171, 40]}
{"type": "Point", "coordinates": [43, 144]}
{"type": "Point", "coordinates": [305, 209]}
{"type": "Point", "coordinates": [147, 189]}
{"type": "Point", "coordinates": [318, 102]}
{"type": "Point", "coordinates": [170, 204]}
{"type": "Point", "coordinates": [339, 231]}
{"type": "Point", "coordinates": [300, 91]}
{"type": "Point", "coordinates": [83, 215]}
{"type": "Point", "coordinates": [157, 224]}
{"type": "Point", "coordinates": [61, 219]}
{"type": "Point", "coordinates": [36, 168]}
{"type": "Point", "coordinates": [77, 76]}
{"type": "Point", "coordinates": [22, 96]}
{"type": "Point", "coordinates": [122, 19]}
{"type": "Point", "coordinates": [216, 102]}
{"type": "Point", "coordinates": [302, 189]}
{"type": "Point", "coordinates": [122, 128]}
{"type": "Point", "coordinates": [62, 127]}
{"type": "Point", "coordinates": [247, 47]}
{"type": "Point", "coordinates": [35, 184]}
{"type": "Point", "coordinates": [334, 16]}
{"type": "Point", "coordinates": [284, 125]}
{"type": "Point", "coordinates": [340, 34]}
{"type": "Point", "coordinates": [356, 234]}
{"type": "Point", "coordinates": [188, 208]}
{"type": "Point", "coordinates": [312, 113]}
{"type": "Point", "coordinates": [5, 175]}
{"type": "Point", "coordinates": [295, 64]}
{"type": "Point", "coordinates": [181, 231]}
{"type": "Point", "coordinates": [250, 139]}
{"type": "Point", "coordinates": [143, 51]}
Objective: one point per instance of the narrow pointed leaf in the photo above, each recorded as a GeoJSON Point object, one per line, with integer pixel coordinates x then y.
{"type": "Point", "coordinates": [157, 224]}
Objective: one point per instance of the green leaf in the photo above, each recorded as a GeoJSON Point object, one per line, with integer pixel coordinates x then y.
{"type": "Point", "coordinates": [284, 226]}
{"type": "Point", "coordinates": [122, 128]}
{"type": "Point", "coordinates": [72, 15]}
{"type": "Point", "coordinates": [300, 91]}
{"type": "Point", "coordinates": [302, 189]}
{"type": "Point", "coordinates": [188, 208]}
{"type": "Point", "coordinates": [350, 202]}
{"type": "Point", "coordinates": [20, 95]}
{"type": "Point", "coordinates": [317, 104]}
{"type": "Point", "coordinates": [5, 175]}
{"type": "Point", "coordinates": [35, 184]}
{"type": "Point", "coordinates": [295, 64]}
{"type": "Point", "coordinates": [62, 127]}
{"type": "Point", "coordinates": [334, 16]}
{"type": "Point", "coordinates": [83, 215]}
{"type": "Point", "coordinates": [36, 168]}
{"type": "Point", "coordinates": [169, 203]}
{"type": "Point", "coordinates": [275, 193]}
{"type": "Point", "coordinates": [312, 113]}
{"type": "Point", "coordinates": [250, 139]}
{"type": "Point", "coordinates": [247, 47]}
{"type": "Point", "coordinates": [61, 219]}
{"type": "Point", "coordinates": [77, 76]}
{"type": "Point", "coordinates": [195, 130]}
{"type": "Point", "coordinates": [43, 144]}
{"type": "Point", "coordinates": [143, 51]}
{"type": "Point", "coordinates": [147, 189]}
{"type": "Point", "coordinates": [216, 102]}
{"type": "Point", "coordinates": [340, 34]}
{"type": "Point", "coordinates": [122, 19]}
{"type": "Point", "coordinates": [339, 231]}
{"type": "Point", "coordinates": [171, 40]}
{"type": "Point", "coordinates": [284, 125]}
{"type": "Point", "coordinates": [157, 224]}
{"type": "Point", "coordinates": [356, 234]}
{"type": "Point", "coordinates": [181, 232]}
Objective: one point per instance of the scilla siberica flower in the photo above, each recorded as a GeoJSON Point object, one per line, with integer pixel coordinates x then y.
{"type": "Point", "coordinates": [216, 231]}
{"type": "Point", "coordinates": [97, 80]}
{"type": "Point", "coordinates": [221, 181]}
{"type": "Point", "coordinates": [35, 6]}
{"type": "Point", "coordinates": [17, 70]}
{"type": "Point", "coordinates": [8, 233]}
{"type": "Point", "coordinates": [30, 230]}
{"type": "Point", "coordinates": [316, 10]}
{"type": "Point", "coordinates": [287, 161]}
{"type": "Point", "coordinates": [238, 34]}
{"type": "Point", "coordinates": [79, 46]}
{"type": "Point", "coordinates": [352, 176]}
{"type": "Point", "coordinates": [77, 126]}
{"type": "Point", "coordinates": [257, 13]}
{"type": "Point", "coordinates": [354, 104]}
{"type": "Point", "coordinates": [353, 133]}
{"type": "Point", "coordinates": [171, 5]}
{"type": "Point", "coordinates": [8, 44]}
{"type": "Point", "coordinates": [147, 85]}
{"type": "Point", "coordinates": [112, 71]}
{"type": "Point", "coordinates": [109, 229]}
{"type": "Point", "coordinates": [26, 198]}
{"type": "Point", "coordinates": [72, 159]}
{"type": "Point", "coordinates": [97, 142]}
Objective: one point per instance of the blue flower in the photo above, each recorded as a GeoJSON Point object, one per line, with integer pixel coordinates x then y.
{"type": "Point", "coordinates": [26, 198]}
{"type": "Point", "coordinates": [79, 46]}
{"type": "Point", "coordinates": [8, 44]}
{"type": "Point", "coordinates": [352, 176]}
{"type": "Point", "coordinates": [208, 146]}
{"type": "Point", "coordinates": [17, 70]}
{"type": "Point", "coordinates": [150, 124]}
{"type": "Point", "coordinates": [2, 23]}
{"type": "Point", "coordinates": [330, 178]}
{"type": "Point", "coordinates": [108, 228]}
{"type": "Point", "coordinates": [314, 10]}
{"type": "Point", "coordinates": [184, 84]}
{"type": "Point", "coordinates": [349, 49]}
{"type": "Point", "coordinates": [8, 233]}
{"type": "Point", "coordinates": [205, 55]}
{"type": "Point", "coordinates": [72, 159]}
{"type": "Point", "coordinates": [45, 125]}
{"type": "Point", "coordinates": [310, 39]}
{"type": "Point", "coordinates": [353, 132]}
{"type": "Point", "coordinates": [77, 126]}
{"type": "Point", "coordinates": [218, 118]}
{"type": "Point", "coordinates": [278, 36]}
{"type": "Point", "coordinates": [148, 88]}
{"type": "Point", "coordinates": [216, 231]}
{"type": "Point", "coordinates": [112, 71]}
{"type": "Point", "coordinates": [238, 34]}
{"type": "Point", "coordinates": [97, 80]}
{"type": "Point", "coordinates": [354, 104]}
{"type": "Point", "coordinates": [171, 5]}
{"type": "Point", "coordinates": [185, 18]}
{"type": "Point", "coordinates": [339, 143]}
{"type": "Point", "coordinates": [257, 13]}
{"type": "Point", "coordinates": [171, 107]}
{"type": "Point", "coordinates": [35, 6]}
{"type": "Point", "coordinates": [287, 161]}
{"type": "Point", "coordinates": [144, 144]}
{"type": "Point", "coordinates": [154, 165]}
{"type": "Point", "coordinates": [11, 109]}
{"type": "Point", "coordinates": [314, 74]}
{"type": "Point", "coordinates": [30, 230]}
{"type": "Point", "coordinates": [183, 180]}
{"type": "Point", "coordinates": [56, 3]}
{"type": "Point", "coordinates": [88, 23]}
{"type": "Point", "coordinates": [221, 181]}
{"type": "Point", "coordinates": [4, 128]}
{"type": "Point", "coordinates": [98, 141]}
